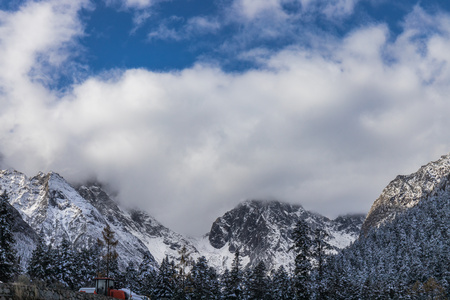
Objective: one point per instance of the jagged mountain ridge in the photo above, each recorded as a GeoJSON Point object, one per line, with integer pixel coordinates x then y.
{"type": "Point", "coordinates": [405, 192]}
{"type": "Point", "coordinates": [157, 239]}
{"type": "Point", "coordinates": [262, 230]}
{"type": "Point", "coordinates": [54, 208]}
{"type": "Point", "coordinates": [401, 254]}
{"type": "Point", "coordinates": [24, 236]}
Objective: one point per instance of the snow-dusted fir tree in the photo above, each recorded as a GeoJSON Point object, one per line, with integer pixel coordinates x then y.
{"type": "Point", "coordinates": [51, 259]}
{"type": "Point", "coordinates": [302, 244]}
{"type": "Point", "coordinates": [406, 257]}
{"type": "Point", "coordinates": [131, 277]}
{"type": "Point", "coordinates": [8, 259]}
{"type": "Point", "coordinates": [166, 285]}
{"type": "Point", "coordinates": [258, 283]}
{"type": "Point", "coordinates": [204, 282]}
{"type": "Point", "coordinates": [37, 266]}
{"type": "Point", "coordinates": [282, 285]}
{"type": "Point", "coordinates": [65, 264]}
{"type": "Point", "coordinates": [227, 286]}
{"type": "Point", "coordinates": [86, 265]}
{"type": "Point", "coordinates": [236, 276]}
{"type": "Point", "coordinates": [146, 276]}
{"type": "Point", "coordinates": [319, 248]}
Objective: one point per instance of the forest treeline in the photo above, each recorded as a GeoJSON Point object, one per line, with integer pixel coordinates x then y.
{"type": "Point", "coordinates": [407, 258]}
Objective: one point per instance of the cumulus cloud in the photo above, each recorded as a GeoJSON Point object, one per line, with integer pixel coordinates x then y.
{"type": "Point", "coordinates": [260, 21]}
{"type": "Point", "coordinates": [324, 128]}
{"type": "Point", "coordinates": [132, 4]}
{"type": "Point", "coordinates": [193, 27]}
{"type": "Point", "coordinates": [339, 8]}
{"type": "Point", "coordinates": [251, 9]}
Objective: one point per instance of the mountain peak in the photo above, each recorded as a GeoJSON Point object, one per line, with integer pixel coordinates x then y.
{"type": "Point", "coordinates": [261, 230]}
{"type": "Point", "coordinates": [405, 191]}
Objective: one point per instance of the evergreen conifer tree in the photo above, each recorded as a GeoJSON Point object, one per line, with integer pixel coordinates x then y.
{"type": "Point", "coordinates": [65, 264]}
{"type": "Point", "coordinates": [50, 261]}
{"type": "Point", "coordinates": [203, 280]}
{"type": "Point", "coordinates": [302, 243]}
{"type": "Point", "coordinates": [318, 251]}
{"type": "Point", "coordinates": [146, 276]}
{"type": "Point", "coordinates": [258, 283]}
{"type": "Point", "coordinates": [37, 269]}
{"type": "Point", "coordinates": [165, 286]}
{"type": "Point", "coordinates": [281, 285]}
{"type": "Point", "coordinates": [86, 265]}
{"type": "Point", "coordinates": [236, 276]}
{"type": "Point", "coordinates": [131, 277]}
{"type": "Point", "coordinates": [228, 288]}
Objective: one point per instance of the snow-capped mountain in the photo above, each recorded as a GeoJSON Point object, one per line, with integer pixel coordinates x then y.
{"type": "Point", "coordinates": [261, 230]}
{"type": "Point", "coordinates": [25, 237]}
{"type": "Point", "coordinates": [408, 249]}
{"type": "Point", "coordinates": [151, 235]}
{"type": "Point", "coordinates": [405, 192]}
{"type": "Point", "coordinates": [56, 210]}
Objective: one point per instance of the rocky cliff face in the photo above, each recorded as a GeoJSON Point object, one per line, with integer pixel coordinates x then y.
{"type": "Point", "coordinates": [261, 231]}
{"type": "Point", "coordinates": [406, 191]}
{"type": "Point", "coordinates": [25, 237]}
{"type": "Point", "coordinates": [48, 205]}
{"type": "Point", "coordinates": [55, 210]}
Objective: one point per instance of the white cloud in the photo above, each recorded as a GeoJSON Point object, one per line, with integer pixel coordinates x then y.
{"type": "Point", "coordinates": [325, 128]}
{"type": "Point", "coordinates": [132, 4]}
{"type": "Point", "coordinates": [202, 25]}
{"type": "Point", "coordinates": [251, 9]}
{"type": "Point", "coordinates": [138, 3]}
{"type": "Point", "coordinates": [193, 27]}
{"type": "Point", "coordinates": [339, 8]}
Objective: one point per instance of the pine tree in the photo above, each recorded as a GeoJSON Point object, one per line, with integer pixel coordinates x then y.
{"type": "Point", "coordinates": [65, 264]}
{"type": "Point", "coordinates": [302, 243]}
{"type": "Point", "coordinates": [37, 269]}
{"type": "Point", "coordinates": [318, 251]}
{"type": "Point", "coordinates": [258, 283]}
{"type": "Point", "coordinates": [203, 280]}
{"type": "Point", "coordinates": [54, 269]}
{"type": "Point", "coordinates": [246, 284]}
{"type": "Point", "coordinates": [236, 276]}
{"type": "Point", "coordinates": [227, 284]}
{"type": "Point", "coordinates": [146, 276]}
{"type": "Point", "coordinates": [131, 277]}
{"type": "Point", "coordinates": [86, 265]}
{"type": "Point", "coordinates": [8, 260]}
{"type": "Point", "coordinates": [110, 242]}
{"type": "Point", "coordinates": [214, 283]}
{"type": "Point", "coordinates": [281, 285]}
{"type": "Point", "coordinates": [165, 281]}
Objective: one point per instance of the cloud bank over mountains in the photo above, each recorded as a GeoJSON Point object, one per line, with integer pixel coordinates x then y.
{"type": "Point", "coordinates": [325, 125]}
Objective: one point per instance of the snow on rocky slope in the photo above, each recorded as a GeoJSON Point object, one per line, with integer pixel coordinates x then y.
{"type": "Point", "coordinates": [55, 210]}
{"type": "Point", "coordinates": [25, 237]}
{"type": "Point", "coordinates": [260, 230]}
{"type": "Point", "coordinates": [405, 191]}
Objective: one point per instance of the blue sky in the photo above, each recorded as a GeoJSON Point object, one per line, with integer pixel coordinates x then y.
{"type": "Point", "coordinates": [168, 35]}
{"type": "Point", "coordinates": [188, 107]}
